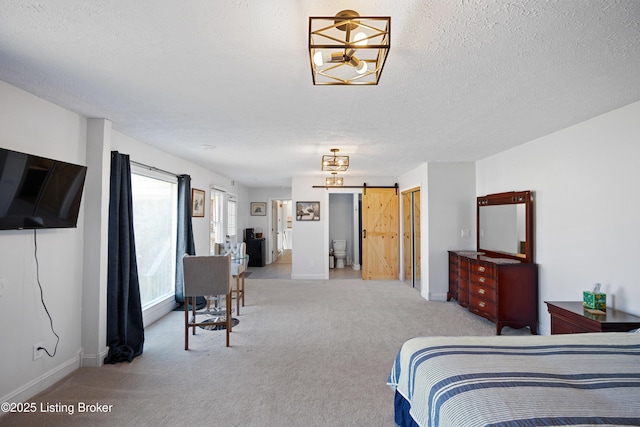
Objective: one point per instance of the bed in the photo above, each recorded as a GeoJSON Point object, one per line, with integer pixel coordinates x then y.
{"type": "Point", "coordinates": [579, 379]}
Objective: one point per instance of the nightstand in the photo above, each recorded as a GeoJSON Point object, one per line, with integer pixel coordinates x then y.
{"type": "Point", "coordinates": [571, 317]}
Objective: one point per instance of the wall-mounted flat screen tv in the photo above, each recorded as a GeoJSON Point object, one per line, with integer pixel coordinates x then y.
{"type": "Point", "coordinates": [37, 192]}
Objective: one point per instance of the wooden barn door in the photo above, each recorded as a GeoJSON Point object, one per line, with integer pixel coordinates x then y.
{"type": "Point", "coordinates": [380, 234]}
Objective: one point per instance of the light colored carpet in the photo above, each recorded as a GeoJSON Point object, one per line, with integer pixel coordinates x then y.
{"type": "Point", "coordinates": [306, 353]}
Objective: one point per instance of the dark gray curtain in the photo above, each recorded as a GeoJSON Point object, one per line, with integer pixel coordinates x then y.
{"type": "Point", "coordinates": [185, 243]}
{"type": "Point", "coordinates": [125, 331]}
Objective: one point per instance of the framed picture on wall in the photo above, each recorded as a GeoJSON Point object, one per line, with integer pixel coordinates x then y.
{"type": "Point", "coordinates": [197, 202]}
{"type": "Point", "coordinates": [308, 211]}
{"type": "Point", "coordinates": [258, 208]}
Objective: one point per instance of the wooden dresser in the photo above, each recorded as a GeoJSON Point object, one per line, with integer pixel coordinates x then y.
{"type": "Point", "coordinates": [502, 290]}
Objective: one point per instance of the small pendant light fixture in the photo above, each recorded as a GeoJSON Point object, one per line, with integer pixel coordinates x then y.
{"type": "Point", "coordinates": [334, 180]}
{"type": "Point", "coordinates": [333, 162]}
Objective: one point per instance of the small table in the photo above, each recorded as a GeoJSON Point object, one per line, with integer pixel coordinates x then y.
{"type": "Point", "coordinates": [571, 317]}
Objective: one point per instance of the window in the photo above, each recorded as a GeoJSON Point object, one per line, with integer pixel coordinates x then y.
{"type": "Point", "coordinates": [223, 217]}
{"type": "Point", "coordinates": [216, 229]}
{"type": "Point", "coordinates": [155, 224]}
{"type": "Point", "coordinates": [232, 226]}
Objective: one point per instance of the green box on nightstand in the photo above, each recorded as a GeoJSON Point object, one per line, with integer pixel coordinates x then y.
{"type": "Point", "coordinates": [597, 301]}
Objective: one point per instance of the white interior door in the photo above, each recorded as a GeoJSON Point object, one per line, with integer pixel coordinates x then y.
{"type": "Point", "coordinates": [274, 244]}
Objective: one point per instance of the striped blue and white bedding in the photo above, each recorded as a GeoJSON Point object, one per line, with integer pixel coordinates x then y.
{"type": "Point", "coordinates": [581, 379]}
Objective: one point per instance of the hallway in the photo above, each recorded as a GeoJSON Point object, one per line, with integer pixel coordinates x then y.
{"type": "Point", "coordinates": [281, 269]}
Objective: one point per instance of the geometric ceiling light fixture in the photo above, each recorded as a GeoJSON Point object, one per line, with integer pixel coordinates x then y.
{"type": "Point", "coordinates": [335, 163]}
{"type": "Point", "coordinates": [348, 49]}
{"type": "Point", "coordinates": [334, 180]}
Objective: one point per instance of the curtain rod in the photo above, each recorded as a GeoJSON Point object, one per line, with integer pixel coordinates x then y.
{"type": "Point", "coordinates": [153, 168]}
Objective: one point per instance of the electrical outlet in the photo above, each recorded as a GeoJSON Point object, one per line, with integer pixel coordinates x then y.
{"type": "Point", "coordinates": [37, 354]}
{"type": "Point", "coordinates": [1, 286]}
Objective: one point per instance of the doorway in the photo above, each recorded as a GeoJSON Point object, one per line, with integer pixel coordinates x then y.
{"type": "Point", "coordinates": [411, 237]}
{"type": "Point", "coordinates": [345, 224]}
{"type": "Point", "coordinates": [281, 217]}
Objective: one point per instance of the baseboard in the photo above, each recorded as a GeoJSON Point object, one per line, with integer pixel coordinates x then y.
{"type": "Point", "coordinates": [308, 277]}
{"type": "Point", "coordinates": [158, 310]}
{"type": "Point", "coordinates": [436, 296]}
{"type": "Point", "coordinates": [43, 382]}
{"type": "Point", "coordinates": [93, 360]}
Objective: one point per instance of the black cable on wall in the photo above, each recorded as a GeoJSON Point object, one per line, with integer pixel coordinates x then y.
{"type": "Point", "coordinates": [35, 255]}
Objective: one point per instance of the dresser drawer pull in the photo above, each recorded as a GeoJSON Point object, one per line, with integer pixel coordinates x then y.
{"type": "Point", "coordinates": [481, 291]}
{"type": "Point", "coordinates": [482, 280]}
{"type": "Point", "coordinates": [482, 269]}
{"type": "Point", "coordinates": [482, 304]}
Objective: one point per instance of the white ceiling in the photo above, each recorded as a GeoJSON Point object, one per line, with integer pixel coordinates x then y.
{"type": "Point", "coordinates": [464, 78]}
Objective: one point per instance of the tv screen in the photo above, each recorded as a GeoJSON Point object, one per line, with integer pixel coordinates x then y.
{"type": "Point", "coordinates": [37, 192]}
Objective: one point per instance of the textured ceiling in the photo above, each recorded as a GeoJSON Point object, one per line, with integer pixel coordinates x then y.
{"type": "Point", "coordinates": [464, 79]}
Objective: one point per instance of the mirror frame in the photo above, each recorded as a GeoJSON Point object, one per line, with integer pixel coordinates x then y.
{"type": "Point", "coordinates": [509, 198]}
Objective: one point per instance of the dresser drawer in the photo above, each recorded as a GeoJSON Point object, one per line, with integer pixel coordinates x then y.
{"type": "Point", "coordinates": [482, 307]}
{"type": "Point", "coordinates": [481, 268]}
{"type": "Point", "coordinates": [482, 292]}
{"type": "Point", "coordinates": [483, 280]}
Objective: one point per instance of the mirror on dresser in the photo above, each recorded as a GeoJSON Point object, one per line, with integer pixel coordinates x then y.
{"type": "Point", "coordinates": [505, 225]}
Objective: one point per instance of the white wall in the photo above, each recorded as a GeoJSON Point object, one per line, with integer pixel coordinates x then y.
{"type": "Point", "coordinates": [585, 179]}
{"type": "Point", "coordinates": [310, 248]}
{"type": "Point", "coordinates": [96, 250]}
{"type": "Point", "coordinates": [451, 208]}
{"type": "Point", "coordinates": [31, 125]}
